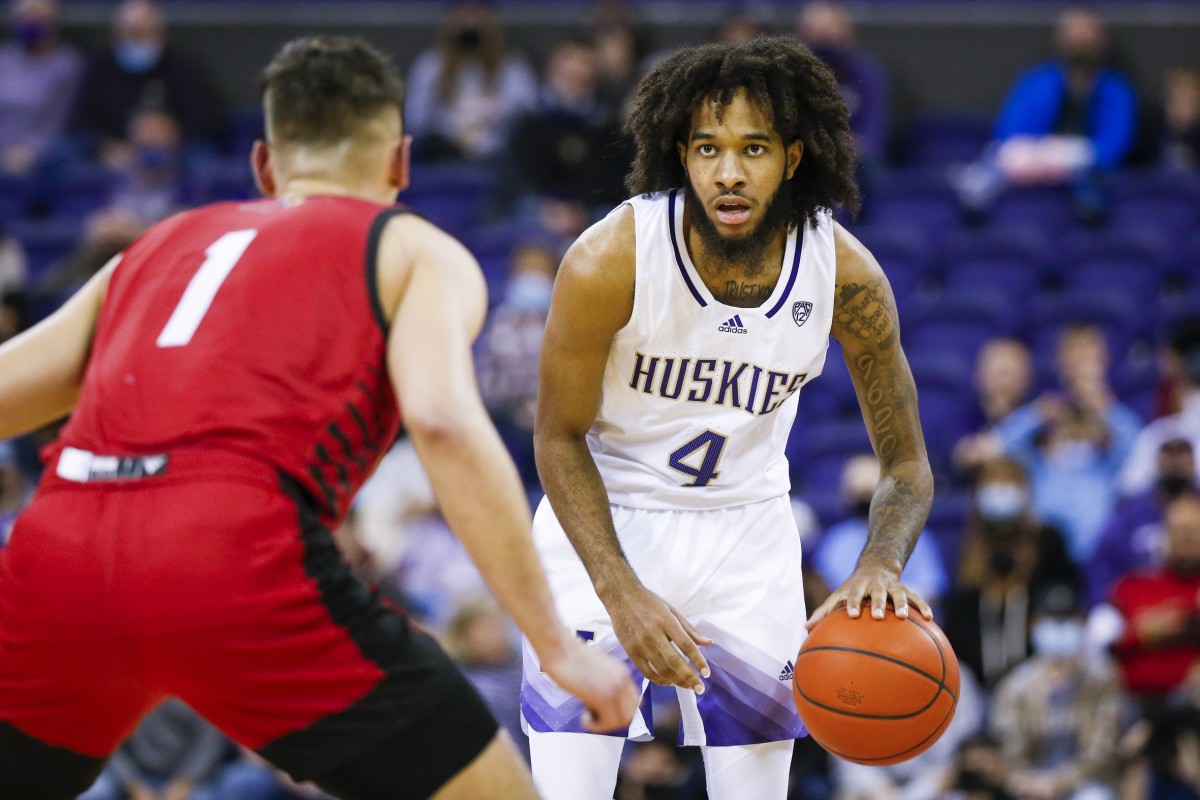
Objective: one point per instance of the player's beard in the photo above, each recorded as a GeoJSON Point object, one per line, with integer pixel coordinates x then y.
{"type": "Point", "coordinates": [747, 252]}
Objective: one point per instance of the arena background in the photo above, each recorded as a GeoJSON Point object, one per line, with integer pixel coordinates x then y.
{"type": "Point", "coordinates": [1133, 269]}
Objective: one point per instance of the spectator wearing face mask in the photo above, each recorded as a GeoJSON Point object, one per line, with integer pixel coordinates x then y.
{"type": "Point", "coordinates": [141, 71]}
{"type": "Point", "coordinates": [1073, 441]}
{"type": "Point", "coordinates": [1057, 715]}
{"type": "Point", "coordinates": [1135, 539]}
{"type": "Point", "coordinates": [508, 352]}
{"type": "Point", "coordinates": [38, 78]}
{"type": "Point", "coordinates": [838, 549]}
{"type": "Point", "coordinates": [1008, 559]}
{"type": "Point", "coordinates": [1155, 630]}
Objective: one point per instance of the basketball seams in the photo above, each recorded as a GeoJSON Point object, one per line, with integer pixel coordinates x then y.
{"type": "Point", "coordinates": [917, 747]}
{"type": "Point", "coordinates": [939, 682]}
{"type": "Point", "coordinates": [829, 672]}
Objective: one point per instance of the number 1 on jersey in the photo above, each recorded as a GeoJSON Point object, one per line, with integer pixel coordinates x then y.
{"type": "Point", "coordinates": [713, 444]}
{"type": "Point", "coordinates": [219, 260]}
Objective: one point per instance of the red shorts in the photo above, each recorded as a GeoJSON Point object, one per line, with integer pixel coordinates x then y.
{"type": "Point", "coordinates": [213, 582]}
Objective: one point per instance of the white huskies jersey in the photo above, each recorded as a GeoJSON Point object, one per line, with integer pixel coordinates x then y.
{"type": "Point", "coordinates": [699, 397]}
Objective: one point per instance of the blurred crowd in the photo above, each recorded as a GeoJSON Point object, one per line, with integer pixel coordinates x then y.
{"type": "Point", "coordinates": [1047, 267]}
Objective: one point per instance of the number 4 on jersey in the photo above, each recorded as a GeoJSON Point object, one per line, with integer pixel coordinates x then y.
{"type": "Point", "coordinates": [219, 261]}
{"type": "Point", "coordinates": [713, 444]}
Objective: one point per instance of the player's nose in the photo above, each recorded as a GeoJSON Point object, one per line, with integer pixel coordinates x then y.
{"type": "Point", "coordinates": [730, 174]}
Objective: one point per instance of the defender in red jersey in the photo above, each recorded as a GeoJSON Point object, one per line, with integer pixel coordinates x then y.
{"type": "Point", "coordinates": [232, 378]}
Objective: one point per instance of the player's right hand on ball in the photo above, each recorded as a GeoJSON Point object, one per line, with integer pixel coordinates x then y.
{"type": "Point", "coordinates": [658, 639]}
{"type": "Point", "coordinates": [601, 682]}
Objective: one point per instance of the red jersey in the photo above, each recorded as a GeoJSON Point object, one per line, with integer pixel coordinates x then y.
{"type": "Point", "coordinates": [1156, 669]}
{"type": "Point", "coordinates": [251, 327]}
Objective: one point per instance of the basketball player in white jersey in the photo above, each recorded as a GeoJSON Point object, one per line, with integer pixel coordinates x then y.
{"type": "Point", "coordinates": [683, 327]}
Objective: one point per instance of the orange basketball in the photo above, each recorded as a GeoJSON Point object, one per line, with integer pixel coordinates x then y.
{"type": "Point", "coordinates": [876, 691]}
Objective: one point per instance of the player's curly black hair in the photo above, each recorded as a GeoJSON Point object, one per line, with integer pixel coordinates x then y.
{"type": "Point", "coordinates": [785, 80]}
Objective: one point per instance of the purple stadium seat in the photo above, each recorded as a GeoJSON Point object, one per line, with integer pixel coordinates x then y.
{"type": "Point", "coordinates": [45, 241]}
{"type": "Point", "coordinates": [1010, 263]}
{"type": "Point", "coordinates": [958, 321]}
{"type": "Point", "coordinates": [903, 252]}
{"type": "Point", "coordinates": [816, 452]}
{"type": "Point", "coordinates": [940, 139]}
{"type": "Point", "coordinates": [920, 200]}
{"type": "Point", "coordinates": [1129, 261]}
{"type": "Point", "coordinates": [500, 238]}
{"type": "Point", "coordinates": [1122, 317]}
{"type": "Point", "coordinates": [1165, 202]}
{"type": "Point", "coordinates": [1046, 209]}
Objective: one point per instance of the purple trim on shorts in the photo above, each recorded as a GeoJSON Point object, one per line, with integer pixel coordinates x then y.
{"type": "Point", "coordinates": [742, 705]}
{"type": "Point", "coordinates": [550, 709]}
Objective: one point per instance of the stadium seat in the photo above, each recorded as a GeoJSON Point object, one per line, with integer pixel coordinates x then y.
{"type": "Point", "coordinates": [1165, 202]}
{"type": "Point", "coordinates": [904, 253]}
{"type": "Point", "coordinates": [45, 241]}
{"type": "Point", "coordinates": [1009, 263]}
{"type": "Point", "coordinates": [958, 321]}
{"type": "Point", "coordinates": [1130, 261]}
{"type": "Point", "coordinates": [920, 200]}
{"type": "Point", "coordinates": [816, 452]}
{"type": "Point", "coordinates": [941, 139]}
{"type": "Point", "coordinates": [1046, 209]}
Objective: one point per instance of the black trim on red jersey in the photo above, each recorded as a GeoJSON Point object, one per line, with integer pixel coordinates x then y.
{"type": "Point", "coordinates": [347, 449]}
{"type": "Point", "coordinates": [416, 674]}
{"type": "Point", "coordinates": [377, 225]}
{"type": "Point", "coordinates": [343, 477]}
{"type": "Point", "coordinates": [33, 770]}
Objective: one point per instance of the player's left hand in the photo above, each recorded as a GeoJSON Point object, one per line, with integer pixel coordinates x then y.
{"type": "Point", "coordinates": [880, 585]}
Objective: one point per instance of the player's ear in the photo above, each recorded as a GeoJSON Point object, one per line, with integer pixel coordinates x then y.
{"type": "Point", "coordinates": [795, 151]}
{"type": "Point", "coordinates": [398, 170]}
{"type": "Point", "coordinates": [260, 165]}
{"type": "Point", "coordinates": [681, 148]}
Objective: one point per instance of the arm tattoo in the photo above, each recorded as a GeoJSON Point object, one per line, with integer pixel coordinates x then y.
{"type": "Point", "coordinates": [738, 293]}
{"type": "Point", "coordinates": [889, 403]}
{"type": "Point", "coordinates": [864, 311]}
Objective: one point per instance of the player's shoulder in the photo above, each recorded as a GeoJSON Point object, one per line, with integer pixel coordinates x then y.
{"type": "Point", "coordinates": [855, 264]}
{"type": "Point", "coordinates": [407, 243]}
{"type": "Point", "coordinates": [606, 251]}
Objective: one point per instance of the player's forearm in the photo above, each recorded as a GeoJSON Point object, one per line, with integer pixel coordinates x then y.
{"type": "Point", "coordinates": [576, 491]}
{"type": "Point", "coordinates": [899, 509]}
{"type": "Point", "coordinates": [482, 499]}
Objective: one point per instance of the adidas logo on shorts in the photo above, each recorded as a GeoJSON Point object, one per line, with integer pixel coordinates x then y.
{"type": "Point", "coordinates": [787, 672]}
{"type": "Point", "coordinates": [733, 325]}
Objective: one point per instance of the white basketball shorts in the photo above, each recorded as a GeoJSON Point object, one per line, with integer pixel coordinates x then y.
{"type": "Point", "coordinates": [734, 574]}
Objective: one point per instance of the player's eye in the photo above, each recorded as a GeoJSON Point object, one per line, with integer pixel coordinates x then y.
{"type": "Point", "coordinates": [707, 150]}
{"type": "Point", "coordinates": [755, 150]}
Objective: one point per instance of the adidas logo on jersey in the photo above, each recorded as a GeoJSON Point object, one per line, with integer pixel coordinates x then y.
{"type": "Point", "coordinates": [733, 325]}
{"type": "Point", "coordinates": [787, 672]}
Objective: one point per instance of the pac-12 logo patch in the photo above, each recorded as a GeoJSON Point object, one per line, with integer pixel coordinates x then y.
{"type": "Point", "coordinates": [800, 311]}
